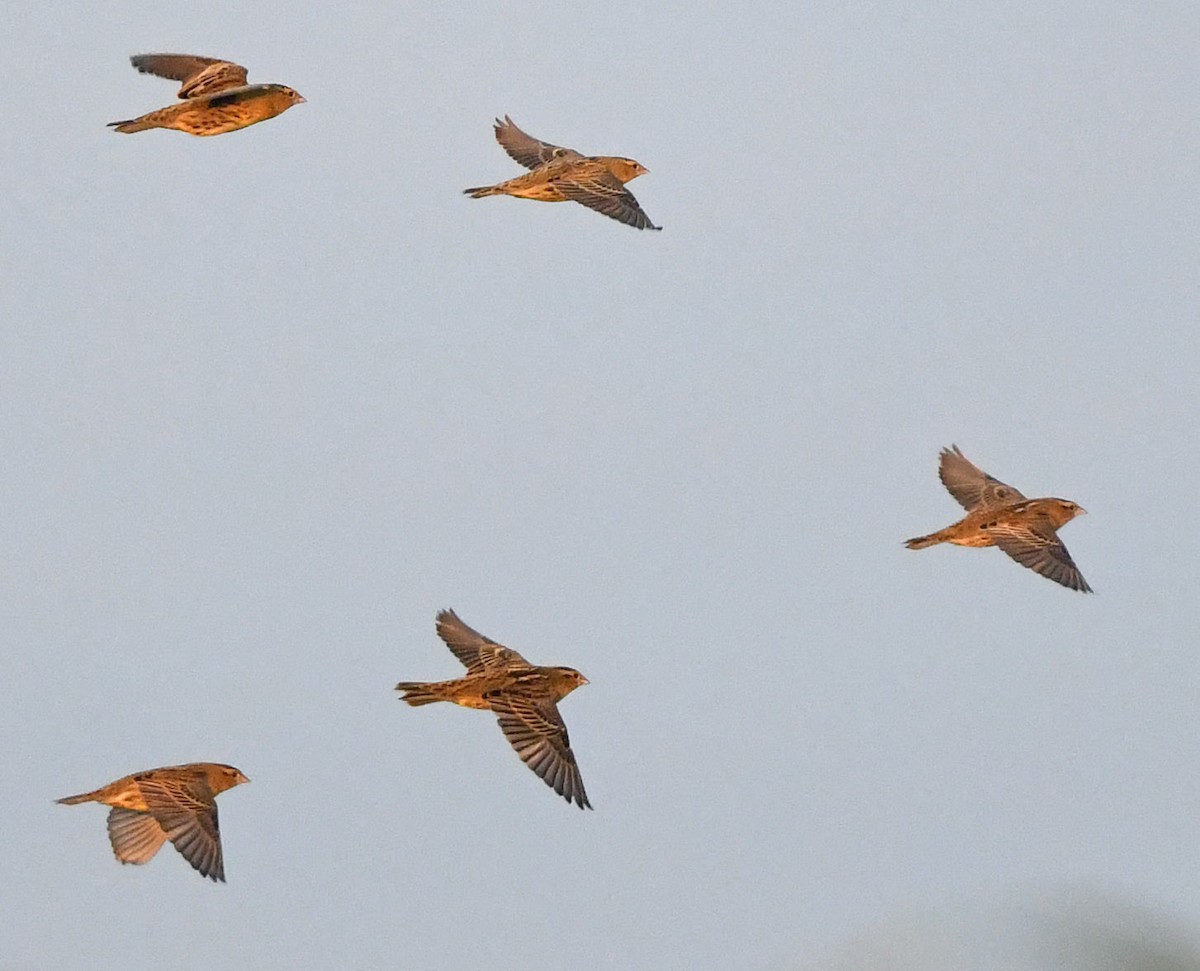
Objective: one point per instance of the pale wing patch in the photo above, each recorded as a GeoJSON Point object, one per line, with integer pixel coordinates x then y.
{"type": "Point", "coordinates": [171, 793]}
{"type": "Point", "coordinates": [216, 77]}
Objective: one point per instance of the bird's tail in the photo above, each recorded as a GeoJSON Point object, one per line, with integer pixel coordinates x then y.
{"type": "Point", "coordinates": [76, 800]}
{"type": "Point", "coordinates": [483, 190]}
{"type": "Point", "coordinates": [921, 542]}
{"type": "Point", "coordinates": [131, 125]}
{"type": "Point", "coordinates": [419, 693]}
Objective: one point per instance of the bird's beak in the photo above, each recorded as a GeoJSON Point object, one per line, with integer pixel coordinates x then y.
{"type": "Point", "coordinates": [300, 99]}
{"type": "Point", "coordinates": [242, 777]}
{"type": "Point", "coordinates": [586, 681]}
{"type": "Point", "coordinates": [1080, 511]}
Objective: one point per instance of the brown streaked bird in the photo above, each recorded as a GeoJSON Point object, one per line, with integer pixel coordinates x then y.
{"type": "Point", "coordinates": [216, 97]}
{"type": "Point", "coordinates": [560, 174]}
{"type": "Point", "coordinates": [524, 697]}
{"type": "Point", "coordinates": [176, 803]}
{"type": "Point", "coordinates": [998, 515]}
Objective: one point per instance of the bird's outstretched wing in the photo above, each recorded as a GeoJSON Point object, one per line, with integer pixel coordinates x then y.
{"type": "Point", "coordinates": [1037, 546]}
{"type": "Point", "coordinates": [477, 653]}
{"type": "Point", "coordinates": [135, 836]}
{"type": "Point", "coordinates": [200, 75]}
{"type": "Point", "coordinates": [536, 730]}
{"type": "Point", "coordinates": [970, 485]}
{"type": "Point", "coordinates": [597, 188]}
{"type": "Point", "coordinates": [186, 809]}
{"type": "Point", "coordinates": [527, 150]}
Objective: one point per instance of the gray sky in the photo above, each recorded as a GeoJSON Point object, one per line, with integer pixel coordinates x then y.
{"type": "Point", "coordinates": [271, 399]}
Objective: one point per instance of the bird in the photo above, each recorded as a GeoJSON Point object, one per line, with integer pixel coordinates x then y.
{"type": "Point", "coordinates": [998, 515]}
{"type": "Point", "coordinates": [176, 803]}
{"type": "Point", "coordinates": [523, 696]}
{"type": "Point", "coordinates": [216, 97]}
{"type": "Point", "coordinates": [564, 175]}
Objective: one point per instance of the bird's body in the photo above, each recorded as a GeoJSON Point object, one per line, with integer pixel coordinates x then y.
{"type": "Point", "coordinates": [536, 186]}
{"type": "Point", "coordinates": [175, 802]}
{"type": "Point", "coordinates": [999, 515]}
{"type": "Point", "coordinates": [217, 98]}
{"type": "Point", "coordinates": [984, 526]}
{"type": "Point", "coordinates": [560, 174]}
{"type": "Point", "coordinates": [524, 697]}
{"type": "Point", "coordinates": [539, 185]}
{"type": "Point", "coordinates": [478, 690]}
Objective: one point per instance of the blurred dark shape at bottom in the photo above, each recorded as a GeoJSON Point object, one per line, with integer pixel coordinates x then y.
{"type": "Point", "coordinates": [1074, 930]}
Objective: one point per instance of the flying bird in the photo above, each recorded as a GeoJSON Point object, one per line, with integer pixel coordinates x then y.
{"type": "Point", "coordinates": [176, 803]}
{"type": "Point", "coordinates": [564, 175]}
{"type": "Point", "coordinates": [216, 97]}
{"type": "Point", "coordinates": [998, 515]}
{"type": "Point", "coordinates": [524, 697]}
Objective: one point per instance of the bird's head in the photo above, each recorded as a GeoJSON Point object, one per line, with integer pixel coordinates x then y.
{"type": "Point", "coordinates": [1062, 511]}
{"type": "Point", "coordinates": [626, 169]}
{"type": "Point", "coordinates": [293, 96]}
{"type": "Point", "coordinates": [566, 680]}
{"type": "Point", "coordinates": [222, 777]}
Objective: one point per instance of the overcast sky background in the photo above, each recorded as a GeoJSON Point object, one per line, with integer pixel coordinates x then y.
{"type": "Point", "coordinates": [270, 400]}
